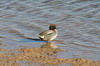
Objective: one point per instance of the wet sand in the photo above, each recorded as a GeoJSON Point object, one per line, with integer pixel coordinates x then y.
{"type": "Point", "coordinates": [43, 56]}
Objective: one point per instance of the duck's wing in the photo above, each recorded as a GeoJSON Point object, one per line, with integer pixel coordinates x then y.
{"type": "Point", "coordinates": [46, 32]}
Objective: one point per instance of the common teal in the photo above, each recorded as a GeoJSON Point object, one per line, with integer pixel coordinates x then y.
{"type": "Point", "coordinates": [49, 35]}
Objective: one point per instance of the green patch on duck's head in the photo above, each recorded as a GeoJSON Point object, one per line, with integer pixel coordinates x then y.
{"type": "Point", "coordinates": [52, 27]}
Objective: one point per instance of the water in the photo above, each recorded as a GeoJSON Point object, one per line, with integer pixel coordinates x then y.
{"type": "Point", "coordinates": [78, 22]}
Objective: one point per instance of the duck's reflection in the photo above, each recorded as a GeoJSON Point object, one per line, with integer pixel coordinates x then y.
{"type": "Point", "coordinates": [50, 52]}
{"type": "Point", "coordinates": [48, 45]}
{"type": "Point", "coordinates": [50, 48]}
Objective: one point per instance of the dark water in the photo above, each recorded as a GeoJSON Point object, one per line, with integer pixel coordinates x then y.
{"type": "Point", "coordinates": [78, 22]}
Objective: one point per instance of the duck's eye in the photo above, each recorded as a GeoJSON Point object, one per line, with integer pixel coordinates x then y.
{"type": "Point", "coordinates": [51, 27]}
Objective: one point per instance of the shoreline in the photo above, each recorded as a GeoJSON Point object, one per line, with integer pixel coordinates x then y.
{"type": "Point", "coordinates": [42, 56]}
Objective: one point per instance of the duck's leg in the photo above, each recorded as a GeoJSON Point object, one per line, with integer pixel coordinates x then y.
{"type": "Point", "coordinates": [48, 41]}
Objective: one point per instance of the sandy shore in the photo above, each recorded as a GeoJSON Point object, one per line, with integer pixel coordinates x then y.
{"type": "Point", "coordinates": [40, 57]}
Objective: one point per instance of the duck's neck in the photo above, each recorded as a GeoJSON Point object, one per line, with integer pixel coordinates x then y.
{"type": "Point", "coordinates": [53, 29]}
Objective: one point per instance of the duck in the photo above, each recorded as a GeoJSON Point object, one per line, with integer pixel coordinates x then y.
{"type": "Point", "coordinates": [50, 34]}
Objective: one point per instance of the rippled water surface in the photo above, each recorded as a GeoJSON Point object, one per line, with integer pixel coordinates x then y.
{"type": "Point", "coordinates": [78, 22]}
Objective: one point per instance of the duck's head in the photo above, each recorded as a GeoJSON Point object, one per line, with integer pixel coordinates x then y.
{"type": "Point", "coordinates": [52, 27]}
